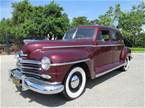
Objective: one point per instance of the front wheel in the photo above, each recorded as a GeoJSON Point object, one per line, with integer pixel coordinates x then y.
{"type": "Point", "coordinates": [75, 83]}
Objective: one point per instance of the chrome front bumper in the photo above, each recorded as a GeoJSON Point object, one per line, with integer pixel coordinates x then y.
{"type": "Point", "coordinates": [40, 86]}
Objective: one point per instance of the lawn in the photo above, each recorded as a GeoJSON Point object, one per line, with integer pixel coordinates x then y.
{"type": "Point", "coordinates": [137, 49]}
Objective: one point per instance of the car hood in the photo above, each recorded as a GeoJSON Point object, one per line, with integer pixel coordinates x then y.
{"type": "Point", "coordinates": [38, 46]}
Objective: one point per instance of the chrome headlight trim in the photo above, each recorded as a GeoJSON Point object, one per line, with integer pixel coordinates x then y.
{"type": "Point", "coordinates": [17, 55]}
{"type": "Point", "coordinates": [45, 63]}
{"type": "Point", "coordinates": [22, 54]}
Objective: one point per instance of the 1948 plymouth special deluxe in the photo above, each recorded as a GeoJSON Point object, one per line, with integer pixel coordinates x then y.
{"type": "Point", "coordinates": [51, 67]}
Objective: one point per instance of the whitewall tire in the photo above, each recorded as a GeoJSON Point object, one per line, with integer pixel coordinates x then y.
{"type": "Point", "coordinates": [75, 83]}
{"type": "Point", "coordinates": [126, 64]}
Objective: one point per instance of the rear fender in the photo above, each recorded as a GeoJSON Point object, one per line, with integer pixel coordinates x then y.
{"type": "Point", "coordinates": [124, 53]}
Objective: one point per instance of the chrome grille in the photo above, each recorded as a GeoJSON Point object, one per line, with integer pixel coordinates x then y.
{"type": "Point", "coordinates": [30, 66]}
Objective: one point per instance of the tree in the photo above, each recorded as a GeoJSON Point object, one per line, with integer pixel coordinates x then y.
{"type": "Point", "coordinates": [55, 22]}
{"type": "Point", "coordinates": [106, 18]}
{"type": "Point", "coordinates": [38, 21]}
{"type": "Point", "coordinates": [131, 24]}
{"type": "Point", "coordinates": [80, 20]}
{"type": "Point", "coordinates": [5, 30]}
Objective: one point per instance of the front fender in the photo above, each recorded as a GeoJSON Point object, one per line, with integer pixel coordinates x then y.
{"type": "Point", "coordinates": [64, 56]}
{"type": "Point", "coordinates": [69, 55]}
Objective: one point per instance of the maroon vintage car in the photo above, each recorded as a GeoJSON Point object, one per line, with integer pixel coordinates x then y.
{"type": "Point", "coordinates": [87, 52]}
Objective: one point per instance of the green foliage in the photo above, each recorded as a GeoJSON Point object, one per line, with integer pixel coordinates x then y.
{"type": "Point", "coordinates": [106, 18]}
{"type": "Point", "coordinates": [22, 11]}
{"type": "Point", "coordinates": [38, 21]}
{"type": "Point", "coordinates": [137, 49]}
{"type": "Point", "coordinates": [34, 21]}
{"type": "Point", "coordinates": [131, 24]}
{"type": "Point", "coordinates": [80, 20]}
{"type": "Point", "coordinates": [5, 30]}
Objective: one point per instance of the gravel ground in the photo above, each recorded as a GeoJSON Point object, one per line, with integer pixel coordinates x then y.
{"type": "Point", "coordinates": [116, 89]}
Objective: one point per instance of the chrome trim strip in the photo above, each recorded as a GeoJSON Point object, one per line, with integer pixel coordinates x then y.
{"type": "Point", "coordinates": [26, 67]}
{"type": "Point", "coordinates": [55, 64]}
{"type": "Point", "coordinates": [22, 54]}
{"type": "Point", "coordinates": [77, 46]}
{"type": "Point", "coordinates": [67, 63]}
{"type": "Point", "coordinates": [31, 73]}
{"type": "Point", "coordinates": [110, 45]}
{"type": "Point", "coordinates": [105, 72]}
{"type": "Point", "coordinates": [30, 61]}
{"type": "Point", "coordinates": [73, 46]}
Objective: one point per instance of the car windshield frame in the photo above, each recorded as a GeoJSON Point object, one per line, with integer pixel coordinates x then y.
{"type": "Point", "coordinates": [76, 34]}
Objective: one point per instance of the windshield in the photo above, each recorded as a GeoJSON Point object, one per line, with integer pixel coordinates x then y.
{"type": "Point", "coordinates": [80, 33]}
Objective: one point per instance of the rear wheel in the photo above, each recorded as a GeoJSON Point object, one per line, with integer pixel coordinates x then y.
{"type": "Point", "coordinates": [126, 64]}
{"type": "Point", "coordinates": [75, 83]}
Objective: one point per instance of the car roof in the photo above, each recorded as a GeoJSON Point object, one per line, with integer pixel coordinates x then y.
{"type": "Point", "coordinates": [98, 26]}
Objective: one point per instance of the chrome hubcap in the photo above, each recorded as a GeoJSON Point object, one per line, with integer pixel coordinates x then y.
{"type": "Point", "coordinates": [75, 81]}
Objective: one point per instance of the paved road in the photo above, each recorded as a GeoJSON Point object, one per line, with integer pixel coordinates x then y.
{"type": "Point", "coordinates": [116, 89]}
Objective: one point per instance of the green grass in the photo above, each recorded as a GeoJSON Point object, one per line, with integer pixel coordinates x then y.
{"type": "Point", "coordinates": [137, 49]}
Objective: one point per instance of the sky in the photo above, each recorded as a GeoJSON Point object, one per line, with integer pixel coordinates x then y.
{"type": "Point", "coordinates": [89, 8]}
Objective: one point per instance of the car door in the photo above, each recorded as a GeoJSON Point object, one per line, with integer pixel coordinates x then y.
{"type": "Point", "coordinates": [117, 46]}
{"type": "Point", "coordinates": [103, 51]}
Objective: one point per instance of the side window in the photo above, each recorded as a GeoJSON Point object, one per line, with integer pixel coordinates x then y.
{"type": "Point", "coordinates": [115, 36]}
{"type": "Point", "coordinates": [103, 35]}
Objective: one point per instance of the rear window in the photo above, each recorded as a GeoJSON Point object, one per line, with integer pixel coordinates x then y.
{"type": "Point", "coordinates": [116, 36]}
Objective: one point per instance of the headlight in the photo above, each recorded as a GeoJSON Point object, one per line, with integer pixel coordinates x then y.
{"type": "Point", "coordinates": [45, 63]}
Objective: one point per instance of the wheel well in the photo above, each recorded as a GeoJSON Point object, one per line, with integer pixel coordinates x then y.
{"type": "Point", "coordinates": [129, 58]}
{"type": "Point", "coordinates": [85, 67]}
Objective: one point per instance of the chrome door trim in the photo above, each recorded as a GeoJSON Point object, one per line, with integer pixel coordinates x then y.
{"type": "Point", "coordinates": [79, 46]}
{"type": "Point", "coordinates": [109, 45]}
{"type": "Point", "coordinates": [72, 46]}
{"type": "Point", "coordinates": [68, 63]}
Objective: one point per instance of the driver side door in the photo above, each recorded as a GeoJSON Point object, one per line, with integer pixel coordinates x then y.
{"type": "Point", "coordinates": [103, 51]}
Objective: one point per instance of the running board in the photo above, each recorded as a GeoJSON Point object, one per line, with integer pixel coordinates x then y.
{"type": "Point", "coordinates": [105, 72]}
